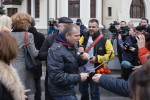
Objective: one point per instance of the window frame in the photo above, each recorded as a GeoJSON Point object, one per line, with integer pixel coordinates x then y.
{"type": "Point", "coordinates": [11, 11]}
{"type": "Point", "coordinates": [33, 8]}
{"type": "Point", "coordinates": [92, 3]}
{"type": "Point", "coordinates": [73, 2]}
{"type": "Point", "coordinates": [137, 5]}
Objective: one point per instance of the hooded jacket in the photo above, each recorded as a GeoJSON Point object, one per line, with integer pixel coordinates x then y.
{"type": "Point", "coordinates": [10, 85]}
{"type": "Point", "coordinates": [62, 65]}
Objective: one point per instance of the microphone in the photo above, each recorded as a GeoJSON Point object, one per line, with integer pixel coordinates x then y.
{"type": "Point", "coordinates": [126, 64]}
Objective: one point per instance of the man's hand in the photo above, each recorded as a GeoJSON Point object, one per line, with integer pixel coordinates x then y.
{"type": "Point", "coordinates": [141, 41]}
{"type": "Point", "coordinates": [54, 27]}
{"type": "Point", "coordinates": [84, 76]}
{"type": "Point", "coordinates": [85, 56]}
{"type": "Point", "coordinates": [119, 36]}
{"type": "Point", "coordinates": [93, 59]}
{"type": "Point", "coordinates": [132, 49]}
{"type": "Point", "coordinates": [96, 77]}
{"type": "Point", "coordinates": [25, 91]}
{"type": "Point", "coordinates": [81, 49]}
{"type": "Point", "coordinates": [137, 67]}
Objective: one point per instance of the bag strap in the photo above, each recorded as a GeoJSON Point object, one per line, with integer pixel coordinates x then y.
{"type": "Point", "coordinates": [95, 41]}
{"type": "Point", "coordinates": [25, 40]}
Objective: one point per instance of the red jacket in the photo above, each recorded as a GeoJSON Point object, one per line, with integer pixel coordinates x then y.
{"type": "Point", "coordinates": [143, 53]}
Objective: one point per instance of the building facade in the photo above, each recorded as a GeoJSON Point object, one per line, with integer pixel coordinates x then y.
{"type": "Point", "coordinates": [106, 11]}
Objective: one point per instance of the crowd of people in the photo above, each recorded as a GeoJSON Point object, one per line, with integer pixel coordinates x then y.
{"type": "Point", "coordinates": [72, 53]}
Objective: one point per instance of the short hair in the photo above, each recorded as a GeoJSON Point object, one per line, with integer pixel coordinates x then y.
{"type": "Point", "coordinates": [141, 78]}
{"type": "Point", "coordinates": [69, 28]}
{"type": "Point", "coordinates": [94, 20]}
{"type": "Point", "coordinates": [8, 47]}
{"type": "Point", "coordinates": [21, 21]}
{"type": "Point", "coordinates": [145, 19]}
{"type": "Point", "coordinates": [5, 22]}
{"type": "Point", "coordinates": [123, 22]}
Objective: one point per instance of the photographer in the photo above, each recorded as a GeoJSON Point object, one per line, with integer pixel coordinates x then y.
{"type": "Point", "coordinates": [129, 53]}
{"type": "Point", "coordinates": [53, 26]}
{"type": "Point", "coordinates": [144, 45]}
{"type": "Point", "coordinates": [82, 27]}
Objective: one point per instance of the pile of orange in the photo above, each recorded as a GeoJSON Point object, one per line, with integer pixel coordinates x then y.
{"type": "Point", "coordinates": [104, 70]}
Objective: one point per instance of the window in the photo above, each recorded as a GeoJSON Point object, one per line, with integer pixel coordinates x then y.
{"type": "Point", "coordinates": [29, 7]}
{"type": "Point", "coordinates": [74, 8]}
{"type": "Point", "coordinates": [93, 8]}
{"type": "Point", "coordinates": [15, 2]}
{"type": "Point", "coordinates": [37, 8]}
{"type": "Point", "coordinates": [137, 9]}
{"type": "Point", "coordinates": [109, 11]}
{"type": "Point", "coordinates": [11, 11]}
{"type": "Point", "coordinates": [35, 4]}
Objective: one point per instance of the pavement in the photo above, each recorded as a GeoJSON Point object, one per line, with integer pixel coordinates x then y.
{"type": "Point", "coordinates": [104, 94]}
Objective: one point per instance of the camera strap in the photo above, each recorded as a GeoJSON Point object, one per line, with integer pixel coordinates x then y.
{"type": "Point", "coordinates": [95, 41]}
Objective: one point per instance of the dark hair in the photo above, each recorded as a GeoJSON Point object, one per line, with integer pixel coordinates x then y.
{"type": "Point", "coordinates": [123, 22]}
{"type": "Point", "coordinates": [145, 19]}
{"type": "Point", "coordinates": [140, 82]}
{"type": "Point", "coordinates": [94, 20]}
{"type": "Point", "coordinates": [69, 28]}
{"type": "Point", "coordinates": [8, 47]}
{"type": "Point", "coordinates": [32, 22]}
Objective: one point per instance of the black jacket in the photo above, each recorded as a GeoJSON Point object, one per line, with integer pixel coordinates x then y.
{"type": "Point", "coordinates": [62, 65]}
{"type": "Point", "coordinates": [38, 40]}
{"type": "Point", "coordinates": [38, 37]}
{"type": "Point", "coordinates": [43, 52]}
{"type": "Point", "coordinates": [4, 93]}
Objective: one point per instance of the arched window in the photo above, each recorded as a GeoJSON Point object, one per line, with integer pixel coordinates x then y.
{"type": "Point", "coordinates": [93, 8]}
{"type": "Point", "coordinates": [137, 9]}
{"type": "Point", "coordinates": [74, 8]}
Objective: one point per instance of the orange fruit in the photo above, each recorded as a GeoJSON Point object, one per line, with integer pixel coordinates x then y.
{"type": "Point", "coordinates": [98, 71]}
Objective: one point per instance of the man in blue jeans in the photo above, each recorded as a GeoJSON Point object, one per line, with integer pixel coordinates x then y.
{"type": "Point", "coordinates": [98, 52]}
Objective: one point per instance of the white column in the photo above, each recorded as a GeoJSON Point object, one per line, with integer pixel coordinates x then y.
{"type": "Point", "coordinates": [32, 8]}
{"type": "Point", "coordinates": [52, 9]}
{"type": "Point", "coordinates": [99, 11]}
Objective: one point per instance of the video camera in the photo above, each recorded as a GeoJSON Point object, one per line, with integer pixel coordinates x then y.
{"type": "Point", "coordinates": [112, 26]}
{"type": "Point", "coordinates": [52, 22]}
{"type": "Point", "coordinates": [78, 23]}
{"type": "Point", "coordinates": [127, 46]}
{"type": "Point", "coordinates": [124, 31]}
{"type": "Point", "coordinates": [140, 28]}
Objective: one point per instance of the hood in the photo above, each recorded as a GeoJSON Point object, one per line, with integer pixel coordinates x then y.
{"type": "Point", "coordinates": [61, 39]}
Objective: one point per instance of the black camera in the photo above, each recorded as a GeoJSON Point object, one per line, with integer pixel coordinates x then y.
{"type": "Point", "coordinates": [133, 37]}
{"type": "Point", "coordinates": [127, 46]}
{"type": "Point", "coordinates": [124, 31]}
{"type": "Point", "coordinates": [140, 28]}
{"type": "Point", "coordinates": [52, 22]}
{"type": "Point", "coordinates": [112, 27]}
{"type": "Point", "coordinates": [78, 23]}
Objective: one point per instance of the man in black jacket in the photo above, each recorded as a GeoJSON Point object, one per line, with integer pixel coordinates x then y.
{"type": "Point", "coordinates": [38, 40]}
{"type": "Point", "coordinates": [63, 21]}
{"type": "Point", "coordinates": [63, 62]}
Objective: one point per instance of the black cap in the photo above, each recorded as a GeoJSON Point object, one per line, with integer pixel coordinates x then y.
{"type": "Point", "coordinates": [65, 20]}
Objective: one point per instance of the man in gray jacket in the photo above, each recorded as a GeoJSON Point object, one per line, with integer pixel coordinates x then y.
{"type": "Point", "coordinates": [63, 62]}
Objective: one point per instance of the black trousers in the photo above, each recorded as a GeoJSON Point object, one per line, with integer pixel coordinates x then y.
{"type": "Point", "coordinates": [37, 95]}
{"type": "Point", "coordinates": [48, 96]}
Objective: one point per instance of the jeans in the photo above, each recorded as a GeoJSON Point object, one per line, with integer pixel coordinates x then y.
{"type": "Point", "coordinates": [71, 97]}
{"type": "Point", "coordinates": [94, 89]}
